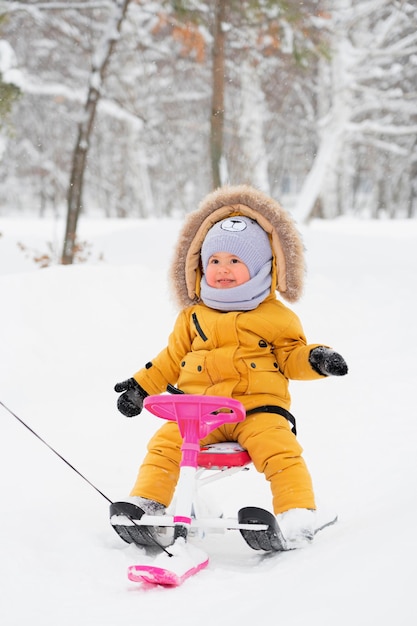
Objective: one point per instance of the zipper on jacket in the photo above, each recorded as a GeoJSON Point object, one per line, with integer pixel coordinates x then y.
{"type": "Point", "coordinates": [198, 327]}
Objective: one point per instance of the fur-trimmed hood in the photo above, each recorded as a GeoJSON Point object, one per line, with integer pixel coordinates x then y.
{"type": "Point", "coordinates": [287, 246]}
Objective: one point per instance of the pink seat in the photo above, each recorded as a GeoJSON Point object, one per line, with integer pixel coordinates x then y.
{"type": "Point", "coordinates": [223, 455]}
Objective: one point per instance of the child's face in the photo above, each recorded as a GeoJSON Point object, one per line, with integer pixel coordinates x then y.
{"type": "Point", "coordinates": [226, 270]}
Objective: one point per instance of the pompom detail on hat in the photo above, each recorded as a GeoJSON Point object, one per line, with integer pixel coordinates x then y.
{"type": "Point", "coordinates": [240, 236]}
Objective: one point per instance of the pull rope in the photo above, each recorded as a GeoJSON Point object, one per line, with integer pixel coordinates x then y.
{"type": "Point", "coordinates": [55, 452]}
{"type": "Point", "coordinates": [19, 419]}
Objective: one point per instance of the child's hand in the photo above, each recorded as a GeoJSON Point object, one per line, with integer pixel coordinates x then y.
{"type": "Point", "coordinates": [327, 362]}
{"type": "Point", "coordinates": [130, 403]}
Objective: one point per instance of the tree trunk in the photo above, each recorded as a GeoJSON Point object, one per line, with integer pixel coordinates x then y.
{"type": "Point", "coordinates": [251, 128]}
{"type": "Point", "coordinates": [100, 61]}
{"type": "Point", "coordinates": [217, 106]}
{"type": "Point", "coordinates": [412, 201]}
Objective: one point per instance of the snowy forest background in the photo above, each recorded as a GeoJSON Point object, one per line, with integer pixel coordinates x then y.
{"type": "Point", "coordinates": [314, 102]}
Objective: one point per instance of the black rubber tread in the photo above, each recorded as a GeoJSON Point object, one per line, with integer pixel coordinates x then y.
{"type": "Point", "coordinates": [139, 535]}
{"type": "Point", "coordinates": [269, 540]}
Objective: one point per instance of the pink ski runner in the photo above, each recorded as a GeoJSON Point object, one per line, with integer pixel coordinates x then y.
{"type": "Point", "coordinates": [162, 576]}
{"type": "Point", "coordinates": [185, 560]}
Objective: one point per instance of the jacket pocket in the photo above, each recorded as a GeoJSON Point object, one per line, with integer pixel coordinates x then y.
{"type": "Point", "coordinates": [193, 376]}
{"type": "Point", "coordinates": [263, 375]}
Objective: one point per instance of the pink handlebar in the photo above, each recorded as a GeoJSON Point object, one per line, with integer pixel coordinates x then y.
{"type": "Point", "coordinates": [196, 415]}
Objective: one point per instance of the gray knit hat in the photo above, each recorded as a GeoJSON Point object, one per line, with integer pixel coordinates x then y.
{"type": "Point", "coordinates": [241, 236]}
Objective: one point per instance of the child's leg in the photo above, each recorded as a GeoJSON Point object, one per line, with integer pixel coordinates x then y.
{"type": "Point", "coordinates": [276, 452]}
{"type": "Point", "coordinates": [158, 474]}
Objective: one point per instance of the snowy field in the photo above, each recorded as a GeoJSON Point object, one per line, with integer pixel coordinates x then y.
{"type": "Point", "coordinates": [67, 334]}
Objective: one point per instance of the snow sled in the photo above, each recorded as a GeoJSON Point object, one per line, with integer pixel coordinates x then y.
{"type": "Point", "coordinates": [197, 416]}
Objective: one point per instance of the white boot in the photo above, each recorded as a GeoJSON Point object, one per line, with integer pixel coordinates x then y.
{"type": "Point", "coordinates": [151, 507]}
{"type": "Point", "coordinates": [297, 527]}
{"type": "Point", "coordinates": [164, 535]}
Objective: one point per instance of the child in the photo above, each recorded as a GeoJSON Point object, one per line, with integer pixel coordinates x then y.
{"type": "Point", "coordinates": [234, 338]}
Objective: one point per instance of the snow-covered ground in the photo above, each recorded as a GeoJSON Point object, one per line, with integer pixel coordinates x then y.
{"type": "Point", "coordinates": [67, 334]}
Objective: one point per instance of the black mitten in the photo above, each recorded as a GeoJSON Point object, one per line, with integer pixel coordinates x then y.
{"type": "Point", "coordinates": [327, 362]}
{"type": "Point", "coordinates": [130, 403]}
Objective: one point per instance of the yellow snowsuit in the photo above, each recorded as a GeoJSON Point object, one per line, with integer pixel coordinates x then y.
{"type": "Point", "coordinates": [245, 355]}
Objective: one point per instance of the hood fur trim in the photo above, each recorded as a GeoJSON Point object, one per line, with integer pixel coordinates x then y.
{"type": "Point", "coordinates": [286, 242]}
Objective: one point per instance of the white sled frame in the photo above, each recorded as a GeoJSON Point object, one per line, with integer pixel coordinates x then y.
{"type": "Point", "coordinates": [191, 515]}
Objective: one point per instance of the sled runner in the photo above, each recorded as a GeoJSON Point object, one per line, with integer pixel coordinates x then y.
{"type": "Point", "coordinates": [197, 416]}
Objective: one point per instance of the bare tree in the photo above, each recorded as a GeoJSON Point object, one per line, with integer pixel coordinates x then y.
{"type": "Point", "coordinates": [100, 61]}
{"type": "Point", "coordinates": [367, 114]}
{"type": "Point", "coordinates": [258, 20]}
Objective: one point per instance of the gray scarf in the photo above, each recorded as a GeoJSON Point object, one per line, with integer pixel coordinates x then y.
{"type": "Point", "coordinates": [245, 297]}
